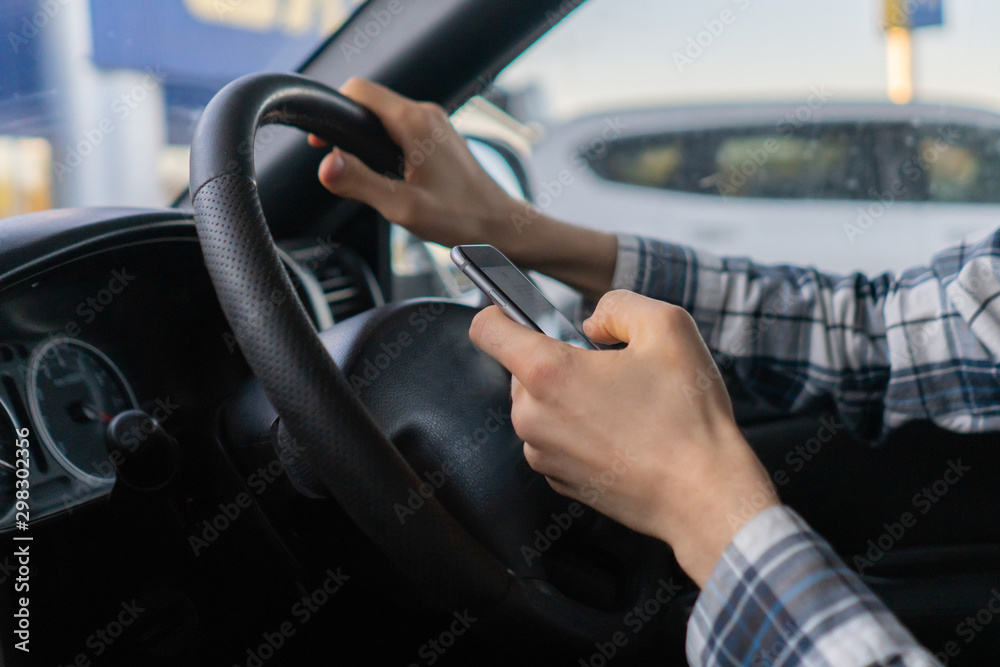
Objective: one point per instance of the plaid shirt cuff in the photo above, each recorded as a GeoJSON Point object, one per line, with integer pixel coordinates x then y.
{"type": "Point", "coordinates": [673, 273]}
{"type": "Point", "coordinates": [627, 265]}
{"type": "Point", "coordinates": [780, 596]}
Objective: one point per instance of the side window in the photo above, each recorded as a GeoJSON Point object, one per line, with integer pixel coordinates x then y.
{"type": "Point", "coordinates": [653, 162]}
{"type": "Point", "coordinates": [813, 165]}
{"type": "Point", "coordinates": [787, 132]}
{"type": "Point", "coordinates": [962, 164]}
{"type": "Point", "coordinates": [742, 162]}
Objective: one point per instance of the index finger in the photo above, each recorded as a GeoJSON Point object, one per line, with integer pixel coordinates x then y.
{"type": "Point", "coordinates": [377, 99]}
{"type": "Point", "coordinates": [515, 346]}
{"type": "Point", "coordinates": [380, 100]}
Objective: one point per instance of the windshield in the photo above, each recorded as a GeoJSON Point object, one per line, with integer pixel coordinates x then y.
{"type": "Point", "coordinates": [844, 134]}
{"type": "Point", "coordinates": [99, 98]}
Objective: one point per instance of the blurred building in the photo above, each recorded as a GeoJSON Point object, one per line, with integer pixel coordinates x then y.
{"type": "Point", "coordinates": [99, 98]}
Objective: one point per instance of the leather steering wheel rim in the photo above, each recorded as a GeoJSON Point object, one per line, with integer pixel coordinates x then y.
{"type": "Point", "coordinates": [344, 446]}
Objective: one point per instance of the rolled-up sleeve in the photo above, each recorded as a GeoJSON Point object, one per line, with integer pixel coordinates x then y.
{"type": "Point", "coordinates": [780, 596]}
{"type": "Point", "coordinates": [886, 349]}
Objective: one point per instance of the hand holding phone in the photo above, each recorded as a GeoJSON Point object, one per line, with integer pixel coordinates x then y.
{"type": "Point", "coordinates": [508, 288]}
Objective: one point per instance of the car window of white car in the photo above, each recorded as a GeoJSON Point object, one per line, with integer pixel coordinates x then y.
{"type": "Point", "coordinates": [835, 133]}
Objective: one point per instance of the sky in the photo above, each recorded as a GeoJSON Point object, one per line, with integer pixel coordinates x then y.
{"type": "Point", "coordinates": [624, 53]}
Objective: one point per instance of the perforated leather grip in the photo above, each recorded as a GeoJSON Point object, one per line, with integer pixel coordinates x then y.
{"type": "Point", "coordinates": [224, 138]}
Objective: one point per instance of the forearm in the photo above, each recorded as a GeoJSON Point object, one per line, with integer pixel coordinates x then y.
{"type": "Point", "coordinates": [582, 258]}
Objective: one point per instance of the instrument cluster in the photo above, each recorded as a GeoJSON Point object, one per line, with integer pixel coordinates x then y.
{"type": "Point", "coordinates": [72, 391]}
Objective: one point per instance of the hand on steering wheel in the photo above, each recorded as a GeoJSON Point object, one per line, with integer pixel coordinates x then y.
{"type": "Point", "coordinates": [445, 197]}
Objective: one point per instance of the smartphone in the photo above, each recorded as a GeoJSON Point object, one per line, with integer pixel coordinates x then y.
{"type": "Point", "coordinates": [516, 296]}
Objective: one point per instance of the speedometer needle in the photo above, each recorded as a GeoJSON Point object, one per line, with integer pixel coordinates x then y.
{"type": "Point", "coordinates": [82, 412]}
{"type": "Point", "coordinates": [6, 465]}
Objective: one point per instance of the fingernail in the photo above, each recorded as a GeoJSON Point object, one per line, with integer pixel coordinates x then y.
{"type": "Point", "coordinates": [338, 165]}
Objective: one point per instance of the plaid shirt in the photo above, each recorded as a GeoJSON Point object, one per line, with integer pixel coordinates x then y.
{"type": "Point", "coordinates": [885, 350]}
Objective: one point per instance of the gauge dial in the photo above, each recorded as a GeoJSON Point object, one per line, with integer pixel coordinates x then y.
{"type": "Point", "coordinates": [74, 390]}
{"type": "Point", "coordinates": [8, 451]}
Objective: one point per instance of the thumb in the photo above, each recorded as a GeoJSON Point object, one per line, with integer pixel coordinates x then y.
{"type": "Point", "coordinates": [345, 175]}
{"type": "Point", "coordinates": [621, 317]}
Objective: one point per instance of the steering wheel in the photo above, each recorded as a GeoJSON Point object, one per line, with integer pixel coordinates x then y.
{"type": "Point", "coordinates": [401, 420]}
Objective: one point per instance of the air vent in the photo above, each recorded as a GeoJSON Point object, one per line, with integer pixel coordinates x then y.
{"type": "Point", "coordinates": [333, 279]}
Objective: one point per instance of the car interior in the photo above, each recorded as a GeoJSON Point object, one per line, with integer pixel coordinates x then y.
{"type": "Point", "coordinates": [392, 530]}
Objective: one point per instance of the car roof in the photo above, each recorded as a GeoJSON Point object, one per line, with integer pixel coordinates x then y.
{"type": "Point", "coordinates": [812, 110]}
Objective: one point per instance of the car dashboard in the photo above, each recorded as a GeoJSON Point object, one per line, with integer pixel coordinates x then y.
{"type": "Point", "coordinates": [126, 320]}
{"type": "Point", "coordinates": [104, 311]}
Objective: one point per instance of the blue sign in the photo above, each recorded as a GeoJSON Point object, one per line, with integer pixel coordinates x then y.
{"type": "Point", "coordinates": [22, 92]}
{"type": "Point", "coordinates": [927, 12]}
{"type": "Point", "coordinates": [211, 41]}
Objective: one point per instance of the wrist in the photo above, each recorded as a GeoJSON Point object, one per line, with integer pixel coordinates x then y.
{"type": "Point", "coordinates": [737, 492]}
{"type": "Point", "coordinates": [582, 258]}
{"type": "Point", "coordinates": [514, 228]}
